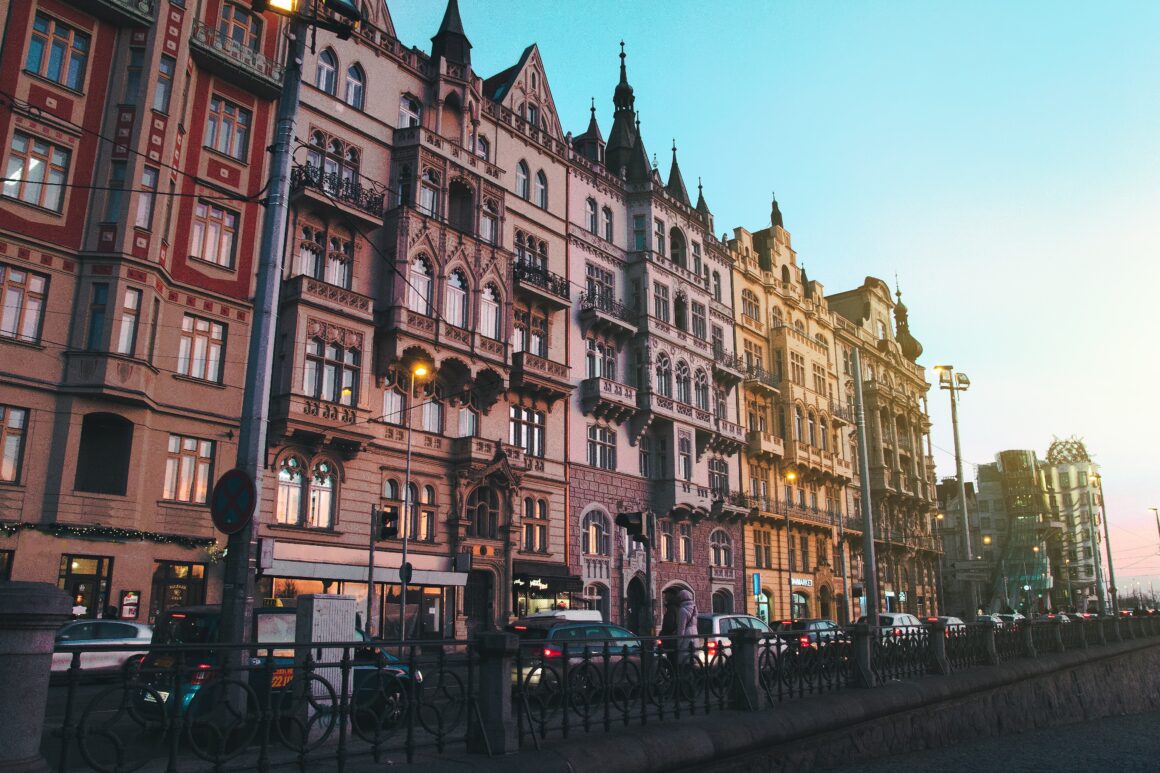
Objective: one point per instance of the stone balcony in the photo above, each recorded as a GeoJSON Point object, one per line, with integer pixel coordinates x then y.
{"type": "Point", "coordinates": [542, 285]}
{"type": "Point", "coordinates": [234, 62]}
{"type": "Point", "coordinates": [680, 498]}
{"type": "Point", "coordinates": [123, 13]}
{"type": "Point", "coordinates": [758, 379]}
{"type": "Point", "coordinates": [540, 376]}
{"type": "Point", "coordinates": [608, 399]}
{"type": "Point", "coordinates": [307, 289]}
{"type": "Point", "coordinates": [728, 368]}
{"type": "Point", "coordinates": [331, 190]}
{"type": "Point", "coordinates": [113, 374]}
{"type": "Point", "coordinates": [603, 315]}
{"type": "Point", "coordinates": [765, 445]}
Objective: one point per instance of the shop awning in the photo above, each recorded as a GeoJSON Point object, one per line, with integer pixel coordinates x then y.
{"type": "Point", "coordinates": [545, 576]}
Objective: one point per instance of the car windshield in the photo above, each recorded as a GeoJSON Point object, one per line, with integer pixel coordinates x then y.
{"type": "Point", "coordinates": [185, 628]}
{"type": "Point", "coordinates": [704, 625]}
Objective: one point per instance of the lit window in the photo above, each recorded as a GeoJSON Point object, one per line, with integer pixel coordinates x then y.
{"type": "Point", "coordinates": [13, 422]}
{"type": "Point", "coordinates": [332, 372]}
{"type": "Point", "coordinates": [595, 538]}
{"type": "Point", "coordinates": [721, 548]}
{"type": "Point", "coordinates": [188, 469]}
{"type": "Point", "coordinates": [23, 294]}
{"type": "Point", "coordinates": [36, 171]}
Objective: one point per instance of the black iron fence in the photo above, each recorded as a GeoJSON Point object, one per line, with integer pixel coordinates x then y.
{"type": "Point", "coordinates": [248, 707]}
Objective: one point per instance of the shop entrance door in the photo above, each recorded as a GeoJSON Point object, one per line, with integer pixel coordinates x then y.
{"type": "Point", "coordinates": [86, 580]}
{"type": "Point", "coordinates": [635, 614]}
{"type": "Point", "coordinates": [478, 601]}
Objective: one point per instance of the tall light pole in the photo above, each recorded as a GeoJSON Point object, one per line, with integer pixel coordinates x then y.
{"type": "Point", "coordinates": [869, 561]}
{"type": "Point", "coordinates": [417, 371]}
{"type": "Point", "coordinates": [241, 555]}
{"type": "Point", "coordinates": [1108, 545]}
{"type": "Point", "coordinates": [790, 477]}
{"type": "Point", "coordinates": [955, 383]}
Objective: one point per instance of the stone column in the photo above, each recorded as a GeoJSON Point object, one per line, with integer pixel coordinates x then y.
{"type": "Point", "coordinates": [1114, 624]}
{"type": "Point", "coordinates": [940, 664]}
{"type": "Point", "coordinates": [863, 649]}
{"type": "Point", "coordinates": [493, 730]}
{"type": "Point", "coordinates": [1099, 638]}
{"type": "Point", "coordinates": [1083, 639]}
{"type": "Point", "coordinates": [745, 647]}
{"type": "Point", "coordinates": [30, 613]}
{"type": "Point", "coordinates": [1057, 634]}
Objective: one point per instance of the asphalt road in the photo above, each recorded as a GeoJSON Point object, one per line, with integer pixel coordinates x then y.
{"type": "Point", "coordinates": [1123, 744]}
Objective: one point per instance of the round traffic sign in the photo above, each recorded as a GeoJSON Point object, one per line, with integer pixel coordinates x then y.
{"type": "Point", "coordinates": [232, 502]}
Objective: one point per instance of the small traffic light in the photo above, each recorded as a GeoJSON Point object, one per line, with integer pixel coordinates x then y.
{"type": "Point", "coordinates": [389, 522]}
{"type": "Point", "coordinates": [633, 523]}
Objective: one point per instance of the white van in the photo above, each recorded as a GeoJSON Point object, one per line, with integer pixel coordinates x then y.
{"type": "Point", "coordinates": [584, 615]}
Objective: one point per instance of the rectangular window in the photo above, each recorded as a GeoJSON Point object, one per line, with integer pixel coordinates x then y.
{"type": "Point", "coordinates": [797, 368]}
{"type": "Point", "coordinates": [130, 315]}
{"type": "Point", "coordinates": [215, 231]}
{"type": "Point", "coordinates": [393, 406]}
{"type": "Point", "coordinates": [526, 430]}
{"type": "Point", "coordinates": [699, 329]}
{"type": "Point", "coordinates": [600, 283]}
{"type": "Point", "coordinates": [97, 309]}
{"type": "Point", "coordinates": [153, 328]}
{"type": "Point", "coordinates": [601, 447]}
{"type": "Point", "coordinates": [116, 196]}
{"type": "Point", "coordinates": [488, 228]}
{"type": "Point", "coordinates": [658, 237]}
{"type": "Point", "coordinates": [428, 200]}
{"type": "Point", "coordinates": [332, 372]}
{"type": "Point", "coordinates": [538, 341]}
{"type": "Point", "coordinates": [133, 76]}
{"type": "Point", "coordinates": [163, 91]}
{"type": "Point", "coordinates": [805, 552]}
{"type": "Point", "coordinates": [57, 52]}
{"type": "Point", "coordinates": [666, 529]}
{"type": "Point", "coordinates": [790, 550]}
{"type": "Point", "coordinates": [686, 543]}
{"type": "Point", "coordinates": [638, 232]}
{"type": "Point", "coordinates": [696, 258]}
{"type": "Point", "coordinates": [432, 415]}
{"type": "Point", "coordinates": [718, 338]}
{"type": "Point", "coordinates": [36, 171]}
{"type": "Point", "coordinates": [146, 198]}
{"type": "Point", "coordinates": [661, 302]}
{"type": "Point", "coordinates": [227, 130]}
{"type": "Point", "coordinates": [762, 550]}
{"type": "Point", "coordinates": [201, 347]}
{"type": "Point", "coordinates": [188, 469]}
{"type": "Point", "coordinates": [13, 422]}
{"type": "Point", "coordinates": [23, 295]}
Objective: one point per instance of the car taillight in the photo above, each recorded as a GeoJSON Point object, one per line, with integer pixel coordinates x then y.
{"type": "Point", "coordinates": [519, 628]}
{"type": "Point", "coordinates": [553, 652]}
{"type": "Point", "coordinates": [804, 641]}
{"type": "Point", "coordinates": [897, 631]}
{"type": "Point", "coordinates": [712, 647]}
{"type": "Point", "coordinates": [202, 673]}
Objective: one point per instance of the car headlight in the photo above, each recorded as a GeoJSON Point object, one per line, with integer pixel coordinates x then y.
{"type": "Point", "coordinates": [418, 676]}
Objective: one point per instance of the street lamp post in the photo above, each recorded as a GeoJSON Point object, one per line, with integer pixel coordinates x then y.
{"type": "Point", "coordinates": [869, 561]}
{"type": "Point", "coordinates": [241, 554]}
{"type": "Point", "coordinates": [790, 477]}
{"type": "Point", "coordinates": [954, 383]}
{"type": "Point", "coordinates": [1108, 546]}
{"type": "Point", "coordinates": [407, 519]}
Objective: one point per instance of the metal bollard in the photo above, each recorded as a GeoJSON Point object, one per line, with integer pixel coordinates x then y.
{"type": "Point", "coordinates": [30, 613]}
{"type": "Point", "coordinates": [992, 652]}
{"type": "Point", "coordinates": [863, 649]}
{"type": "Point", "coordinates": [745, 655]}
{"type": "Point", "coordinates": [939, 664]}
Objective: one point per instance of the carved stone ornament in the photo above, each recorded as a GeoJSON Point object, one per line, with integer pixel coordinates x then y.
{"type": "Point", "coordinates": [334, 334]}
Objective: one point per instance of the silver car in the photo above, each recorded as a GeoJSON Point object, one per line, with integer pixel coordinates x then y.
{"type": "Point", "coordinates": [84, 634]}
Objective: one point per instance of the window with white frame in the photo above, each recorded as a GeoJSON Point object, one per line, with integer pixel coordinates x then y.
{"type": "Point", "coordinates": [684, 383]}
{"type": "Point", "coordinates": [721, 548]}
{"type": "Point", "coordinates": [36, 171]}
{"type": "Point", "coordinates": [306, 502]}
{"type": "Point", "coordinates": [685, 536]}
{"type": "Point", "coordinates": [522, 177]}
{"type": "Point", "coordinates": [200, 348]}
{"type": "Point", "coordinates": [541, 190]}
{"type": "Point", "coordinates": [326, 73]}
{"type": "Point", "coordinates": [526, 430]}
{"type": "Point", "coordinates": [664, 373]}
{"type": "Point", "coordinates": [455, 299]}
{"type": "Point", "coordinates": [23, 294]}
{"type": "Point", "coordinates": [356, 85]}
{"type": "Point", "coordinates": [606, 221]}
{"type": "Point", "coordinates": [596, 536]}
{"type": "Point", "coordinates": [419, 286]}
{"type": "Point", "coordinates": [535, 525]}
{"type": "Point", "coordinates": [332, 372]}
{"type": "Point", "coordinates": [130, 319]}
{"type": "Point", "coordinates": [432, 413]}
{"type": "Point", "coordinates": [188, 469]}
{"type": "Point", "coordinates": [601, 447]}
{"type": "Point", "coordinates": [489, 312]}
{"type": "Point", "coordinates": [410, 111]}
{"type": "Point", "coordinates": [394, 406]}
{"type": "Point", "coordinates": [214, 235]}
{"type": "Point", "coordinates": [590, 215]}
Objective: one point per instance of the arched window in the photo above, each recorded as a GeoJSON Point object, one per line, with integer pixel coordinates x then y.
{"type": "Point", "coordinates": [720, 548]}
{"type": "Point", "coordinates": [749, 305]}
{"type": "Point", "coordinates": [460, 206]}
{"type": "Point", "coordinates": [677, 247]}
{"type": "Point", "coordinates": [455, 300]}
{"type": "Point", "coordinates": [684, 383]}
{"type": "Point", "coordinates": [356, 83]}
{"type": "Point", "coordinates": [290, 480]}
{"type": "Point", "coordinates": [522, 175]}
{"type": "Point", "coordinates": [419, 286]}
{"type": "Point", "coordinates": [326, 75]}
{"type": "Point", "coordinates": [489, 312]}
{"type": "Point", "coordinates": [717, 286]}
{"type": "Point", "coordinates": [775, 319]}
{"type": "Point", "coordinates": [541, 190]}
{"type": "Point", "coordinates": [590, 215]}
{"type": "Point", "coordinates": [489, 222]}
{"type": "Point", "coordinates": [310, 252]}
{"type": "Point", "coordinates": [595, 539]}
{"type": "Point", "coordinates": [798, 428]}
{"type": "Point", "coordinates": [410, 111]}
{"type": "Point", "coordinates": [322, 500]}
{"type": "Point", "coordinates": [391, 489]}
{"type": "Point", "coordinates": [664, 375]}
{"type": "Point", "coordinates": [483, 513]}
{"type": "Point", "coordinates": [813, 423]}
{"type": "Point", "coordinates": [722, 602]}
{"type": "Point", "coordinates": [606, 218]}
{"type": "Point", "coordinates": [701, 391]}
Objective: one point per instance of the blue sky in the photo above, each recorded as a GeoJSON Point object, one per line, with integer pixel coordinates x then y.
{"type": "Point", "coordinates": [1002, 158]}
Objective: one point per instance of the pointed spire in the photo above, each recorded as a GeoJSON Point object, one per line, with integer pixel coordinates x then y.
{"type": "Point", "coordinates": [775, 213]}
{"type": "Point", "coordinates": [702, 207]}
{"type": "Point", "coordinates": [623, 97]}
{"type": "Point", "coordinates": [676, 184]}
{"type": "Point", "coordinates": [593, 126]}
{"type": "Point", "coordinates": [451, 42]}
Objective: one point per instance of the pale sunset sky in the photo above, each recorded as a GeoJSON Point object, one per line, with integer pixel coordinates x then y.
{"type": "Point", "coordinates": [1003, 159]}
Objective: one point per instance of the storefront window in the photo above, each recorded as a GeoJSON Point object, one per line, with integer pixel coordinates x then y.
{"type": "Point", "coordinates": [801, 606]}
{"type": "Point", "coordinates": [176, 585]}
{"type": "Point", "coordinates": [86, 580]}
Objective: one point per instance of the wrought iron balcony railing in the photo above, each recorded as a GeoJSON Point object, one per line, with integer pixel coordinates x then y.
{"type": "Point", "coordinates": [334, 186]}
{"type": "Point", "coordinates": [605, 304]}
{"type": "Point", "coordinates": [542, 278]}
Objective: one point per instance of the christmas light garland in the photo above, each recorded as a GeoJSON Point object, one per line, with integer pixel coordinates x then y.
{"type": "Point", "coordinates": [108, 533]}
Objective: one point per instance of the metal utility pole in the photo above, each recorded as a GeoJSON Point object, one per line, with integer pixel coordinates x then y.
{"type": "Point", "coordinates": [1100, 595]}
{"type": "Point", "coordinates": [238, 586]}
{"type": "Point", "coordinates": [869, 563]}
{"type": "Point", "coordinates": [958, 382]}
{"type": "Point", "coordinates": [790, 477]}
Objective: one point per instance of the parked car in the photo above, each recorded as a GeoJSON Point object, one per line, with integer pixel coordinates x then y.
{"type": "Point", "coordinates": [715, 627]}
{"type": "Point", "coordinates": [812, 632]}
{"type": "Point", "coordinates": [84, 634]}
{"type": "Point", "coordinates": [1010, 618]}
{"type": "Point", "coordinates": [990, 618]}
{"type": "Point", "coordinates": [545, 642]}
{"type": "Point", "coordinates": [952, 623]}
{"type": "Point", "coordinates": [895, 623]}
